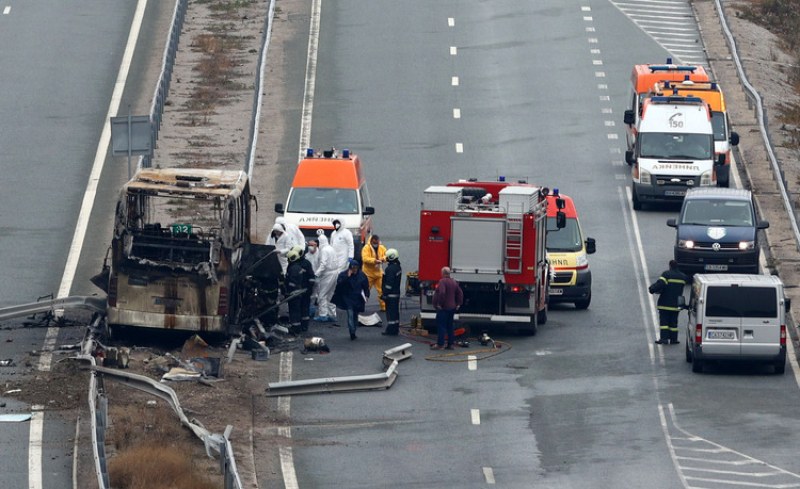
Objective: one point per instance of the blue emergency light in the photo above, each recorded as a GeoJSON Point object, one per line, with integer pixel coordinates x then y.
{"type": "Point", "coordinates": [555, 192]}
{"type": "Point", "coordinates": [309, 152]}
{"type": "Point", "coordinates": [345, 153]}
{"type": "Point", "coordinates": [501, 179]}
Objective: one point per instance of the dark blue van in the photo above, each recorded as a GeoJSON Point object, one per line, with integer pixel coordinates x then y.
{"type": "Point", "coordinates": [717, 231]}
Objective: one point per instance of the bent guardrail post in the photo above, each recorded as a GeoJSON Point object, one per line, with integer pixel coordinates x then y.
{"type": "Point", "coordinates": [379, 381]}
{"type": "Point", "coordinates": [398, 353]}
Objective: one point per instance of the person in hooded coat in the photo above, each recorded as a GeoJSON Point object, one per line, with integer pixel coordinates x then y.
{"type": "Point", "coordinates": [283, 242]}
{"type": "Point", "coordinates": [352, 292]}
{"type": "Point", "coordinates": [373, 256]}
{"type": "Point", "coordinates": [312, 255]}
{"type": "Point", "coordinates": [292, 230]}
{"type": "Point", "coordinates": [326, 281]}
{"type": "Point", "coordinates": [342, 242]}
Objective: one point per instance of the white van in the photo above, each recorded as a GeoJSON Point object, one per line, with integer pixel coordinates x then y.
{"type": "Point", "coordinates": [737, 317]}
{"type": "Point", "coordinates": [673, 150]}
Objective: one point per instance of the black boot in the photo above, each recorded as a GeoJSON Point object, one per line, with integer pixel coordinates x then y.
{"type": "Point", "coordinates": [353, 336]}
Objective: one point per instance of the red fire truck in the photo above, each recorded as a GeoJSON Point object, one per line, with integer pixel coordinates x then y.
{"type": "Point", "coordinates": [492, 236]}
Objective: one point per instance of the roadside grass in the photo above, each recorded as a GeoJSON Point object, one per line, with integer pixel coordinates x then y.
{"type": "Point", "coordinates": [152, 450]}
{"type": "Point", "coordinates": [782, 18]}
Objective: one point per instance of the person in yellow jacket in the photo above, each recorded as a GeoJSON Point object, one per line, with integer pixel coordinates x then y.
{"type": "Point", "coordinates": [373, 256]}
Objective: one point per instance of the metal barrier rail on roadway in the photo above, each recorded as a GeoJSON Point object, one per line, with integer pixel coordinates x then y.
{"type": "Point", "coordinates": [97, 304]}
{"type": "Point", "coordinates": [762, 123]}
{"type": "Point", "coordinates": [382, 380]}
{"type": "Point", "coordinates": [219, 443]}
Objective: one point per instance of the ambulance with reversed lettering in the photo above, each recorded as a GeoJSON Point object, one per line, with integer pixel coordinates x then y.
{"type": "Point", "coordinates": [567, 252]}
{"type": "Point", "coordinates": [329, 185]}
{"type": "Point", "coordinates": [673, 150]}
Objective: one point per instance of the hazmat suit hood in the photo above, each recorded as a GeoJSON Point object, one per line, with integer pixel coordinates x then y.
{"type": "Point", "coordinates": [323, 241]}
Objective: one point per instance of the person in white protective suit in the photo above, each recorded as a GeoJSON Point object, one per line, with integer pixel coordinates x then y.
{"type": "Point", "coordinates": [292, 230]}
{"type": "Point", "coordinates": [327, 271]}
{"type": "Point", "coordinates": [313, 255]}
{"type": "Point", "coordinates": [342, 242]}
{"type": "Point", "coordinates": [283, 242]}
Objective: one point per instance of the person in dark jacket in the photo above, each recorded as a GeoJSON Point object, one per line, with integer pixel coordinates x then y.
{"type": "Point", "coordinates": [309, 281]}
{"type": "Point", "coordinates": [447, 299]}
{"type": "Point", "coordinates": [391, 292]}
{"type": "Point", "coordinates": [294, 282]}
{"type": "Point", "coordinates": [352, 292]}
{"type": "Point", "coordinates": [669, 287]}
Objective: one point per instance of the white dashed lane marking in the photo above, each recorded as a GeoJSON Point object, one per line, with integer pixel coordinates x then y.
{"type": "Point", "coordinates": [454, 81]}
{"type": "Point", "coordinates": [475, 415]}
{"type": "Point", "coordinates": [456, 113]}
{"type": "Point", "coordinates": [6, 10]}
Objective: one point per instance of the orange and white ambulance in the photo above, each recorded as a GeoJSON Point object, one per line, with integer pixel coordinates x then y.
{"type": "Point", "coordinates": [711, 93]}
{"type": "Point", "coordinates": [328, 186]}
{"type": "Point", "coordinates": [645, 76]}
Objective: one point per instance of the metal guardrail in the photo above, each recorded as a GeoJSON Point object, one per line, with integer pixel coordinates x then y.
{"type": "Point", "coordinates": [396, 354]}
{"type": "Point", "coordinates": [762, 123]}
{"type": "Point", "coordinates": [382, 380]}
{"type": "Point", "coordinates": [259, 95]}
{"type": "Point", "coordinates": [88, 302]}
{"type": "Point", "coordinates": [216, 442]}
{"type": "Point", "coordinates": [162, 87]}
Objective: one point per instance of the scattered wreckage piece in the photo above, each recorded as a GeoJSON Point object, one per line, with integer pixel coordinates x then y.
{"type": "Point", "coordinates": [396, 354]}
{"type": "Point", "coordinates": [315, 343]}
{"type": "Point", "coordinates": [379, 381]}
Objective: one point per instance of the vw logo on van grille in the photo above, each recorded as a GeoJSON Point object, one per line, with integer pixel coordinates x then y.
{"type": "Point", "coordinates": [716, 246]}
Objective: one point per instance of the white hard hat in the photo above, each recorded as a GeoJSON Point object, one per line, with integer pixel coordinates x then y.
{"type": "Point", "coordinates": [320, 232]}
{"type": "Point", "coordinates": [392, 254]}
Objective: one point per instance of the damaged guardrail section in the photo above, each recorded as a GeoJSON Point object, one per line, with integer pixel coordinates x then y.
{"type": "Point", "coordinates": [379, 381]}
{"type": "Point", "coordinates": [219, 443]}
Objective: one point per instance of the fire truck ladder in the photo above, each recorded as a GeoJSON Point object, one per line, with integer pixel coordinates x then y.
{"type": "Point", "coordinates": [513, 255]}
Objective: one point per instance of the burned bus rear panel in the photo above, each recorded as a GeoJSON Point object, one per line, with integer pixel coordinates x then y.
{"type": "Point", "coordinates": [179, 238]}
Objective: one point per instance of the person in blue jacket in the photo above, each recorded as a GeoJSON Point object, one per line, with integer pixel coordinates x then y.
{"type": "Point", "coordinates": [352, 292]}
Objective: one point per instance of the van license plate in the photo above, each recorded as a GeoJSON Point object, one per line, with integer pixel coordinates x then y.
{"type": "Point", "coordinates": [675, 193]}
{"type": "Point", "coordinates": [721, 334]}
{"type": "Point", "coordinates": [553, 291]}
{"type": "Point", "coordinates": [717, 268]}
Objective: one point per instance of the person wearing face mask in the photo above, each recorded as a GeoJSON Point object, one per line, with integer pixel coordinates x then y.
{"type": "Point", "coordinates": [342, 242]}
{"type": "Point", "coordinates": [373, 256]}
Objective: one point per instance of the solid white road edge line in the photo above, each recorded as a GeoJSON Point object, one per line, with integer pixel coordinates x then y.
{"type": "Point", "coordinates": [472, 362]}
{"type": "Point", "coordinates": [75, 453]}
{"type": "Point", "coordinates": [633, 235]}
{"type": "Point", "coordinates": [311, 77]}
{"type": "Point", "coordinates": [35, 448]}
{"type": "Point", "coordinates": [284, 406]}
{"type": "Point", "coordinates": [670, 446]}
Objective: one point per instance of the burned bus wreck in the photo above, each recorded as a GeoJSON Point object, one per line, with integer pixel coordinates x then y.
{"type": "Point", "coordinates": [181, 256]}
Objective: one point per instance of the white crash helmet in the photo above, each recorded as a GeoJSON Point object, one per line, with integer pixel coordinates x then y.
{"type": "Point", "coordinates": [392, 254]}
